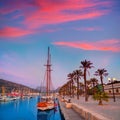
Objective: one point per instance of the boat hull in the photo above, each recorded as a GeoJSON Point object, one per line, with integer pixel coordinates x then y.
{"type": "Point", "coordinates": [45, 108]}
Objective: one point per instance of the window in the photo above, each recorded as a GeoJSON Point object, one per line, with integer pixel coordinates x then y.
{"type": "Point", "coordinates": [117, 91]}
{"type": "Point", "coordinates": [109, 91]}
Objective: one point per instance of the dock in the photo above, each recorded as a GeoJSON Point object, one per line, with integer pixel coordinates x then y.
{"type": "Point", "coordinates": [69, 113]}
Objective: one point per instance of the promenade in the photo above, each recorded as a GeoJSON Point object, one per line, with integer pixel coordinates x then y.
{"type": "Point", "coordinates": [109, 110]}
{"type": "Point", "coordinates": [69, 114]}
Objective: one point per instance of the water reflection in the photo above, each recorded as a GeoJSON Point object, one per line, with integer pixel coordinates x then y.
{"type": "Point", "coordinates": [46, 115]}
{"type": "Point", "coordinates": [16, 105]}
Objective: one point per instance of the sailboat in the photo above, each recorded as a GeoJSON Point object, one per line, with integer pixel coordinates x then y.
{"type": "Point", "coordinates": [47, 102]}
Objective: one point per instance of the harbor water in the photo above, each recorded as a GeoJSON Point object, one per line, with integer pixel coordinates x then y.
{"type": "Point", "coordinates": [25, 109]}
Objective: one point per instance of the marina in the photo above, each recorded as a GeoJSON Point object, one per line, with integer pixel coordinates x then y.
{"type": "Point", "coordinates": [21, 106]}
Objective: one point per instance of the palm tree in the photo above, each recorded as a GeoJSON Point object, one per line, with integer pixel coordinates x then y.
{"type": "Point", "coordinates": [78, 74]}
{"type": "Point", "coordinates": [100, 96]}
{"type": "Point", "coordinates": [88, 82]}
{"type": "Point", "coordinates": [62, 90]}
{"type": "Point", "coordinates": [89, 87]}
{"type": "Point", "coordinates": [81, 87]}
{"type": "Point", "coordinates": [70, 77]}
{"type": "Point", "coordinates": [101, 73]}
{"type": "Point", "coordinates": [86, 65]}
{"type": "Point", "coordinates": [94, 82]}
{"type": "Point", "coordinates": [68, 88]}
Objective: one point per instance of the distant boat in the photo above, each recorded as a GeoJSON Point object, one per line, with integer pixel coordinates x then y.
{"type": "Point", "coordinates": [47, 102]}
{"type": "Point", "coordinates": [9, 96]}
{"type": "Point", "coordinates": [6, 98]}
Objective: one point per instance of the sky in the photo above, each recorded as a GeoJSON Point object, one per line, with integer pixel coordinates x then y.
{"type": "Point", "coordinates": [74, 30]}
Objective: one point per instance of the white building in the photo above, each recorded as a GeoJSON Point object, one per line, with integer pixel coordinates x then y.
{"type": "Point", "coordinates": [109, 89]}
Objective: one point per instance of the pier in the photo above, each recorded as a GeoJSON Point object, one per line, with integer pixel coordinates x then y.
{"type": "Point", "coordinates": [69, 114]}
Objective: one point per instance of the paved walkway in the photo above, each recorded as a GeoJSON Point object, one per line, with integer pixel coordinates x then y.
{"type": "Point", "coordinates": [69, 114]}
{"type": "Point", "coordinates": [110, 110]}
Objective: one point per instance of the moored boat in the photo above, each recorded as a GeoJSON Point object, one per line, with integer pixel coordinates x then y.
{"type": "Point", "coordinates": [45, 106]}
{"type": "Point", "coordinates": [47, 102]}
{"type": "Point", "coordinates": [5, 98]}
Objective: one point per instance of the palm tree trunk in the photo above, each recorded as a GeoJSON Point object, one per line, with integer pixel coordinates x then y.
{"type": "Point", "coordinates": [77, 88]}
{"type": "Point", "coordinates": [101, 78]}
{"type": "Point", "coordinates": [93, 88]}
{"type": "Point", "coordinates": [69, 90]}
{"type": "Point", "coordinates": [86, 96]}
{"type": "Point", "coordinates": [72, 89]}
{"type": "Point", "coordinates": [100, 101]}
{"type": "Point", "coordinates": [66, 90]}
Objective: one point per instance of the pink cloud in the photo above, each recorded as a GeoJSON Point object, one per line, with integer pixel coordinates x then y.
{"type": "Point", "coordinates": [18, 32]}
{"type": "Point", "coordinates": [106, 45]}
{"type": "Point", "coordinates": [14, 32]}
{"type": "Point", "coordinates": [39, 19]}
{"type": "Point", "coordinates": [111, 41]}
{"type": "Point", "coordinates": [61, 5]}
{"type": "Point", "coordinates": [41, 12]}
{"type": "Point", "coordinates": [51, 12]}
{"type": "Point", "coordinates": [38, 13]}
{"type": "Point", "coordinates": [88, 29]}
{"type": "Point", "coordinates": [49, 30]}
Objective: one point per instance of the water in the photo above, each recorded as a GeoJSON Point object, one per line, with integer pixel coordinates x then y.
{"type": "Point", "coordinates": [26, 110]}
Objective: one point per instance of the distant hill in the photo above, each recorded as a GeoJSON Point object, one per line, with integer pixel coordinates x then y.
{"type": "Point", "coordinates": [57, 90]}
{"type": "Point", "coordinates": [43, 89]}
{"type": "Point", "coordinates": [8, 85]}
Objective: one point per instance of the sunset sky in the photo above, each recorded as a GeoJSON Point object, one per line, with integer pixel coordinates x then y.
{"type": "Point", "coordinates": [75, 30]}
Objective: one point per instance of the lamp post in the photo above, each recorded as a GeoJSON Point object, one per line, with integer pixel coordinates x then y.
{"type": "Point", "coordinates": [111, 80]}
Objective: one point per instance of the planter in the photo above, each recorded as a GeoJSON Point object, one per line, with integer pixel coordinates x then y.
{"type": "Point", "coordinates": [68, 105]}
{"type": "Point", "coordinates": [62, 100]}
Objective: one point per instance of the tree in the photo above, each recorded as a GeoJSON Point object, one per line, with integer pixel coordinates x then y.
{"type": "Point", "coordinates": [88, 82]}
{"type": "Point", "coordinates": [81, 87]}
{"type": "Point", "coordinates": [68, 89]}
{"type": "Point", "coordinates": [94, 82]}
{"type": "Point", "coordinates": [86, 65]}
{"type": "Point", "coordinates": [78, 74]}
{"type": "Point", "coordinates": [100, 96]}
{"type": "Point", "coordinates": [101, 73]}
{"type": "Point", "coordinates": [70, 77]}
{"type": "Point", "coordinates": [89, 86]}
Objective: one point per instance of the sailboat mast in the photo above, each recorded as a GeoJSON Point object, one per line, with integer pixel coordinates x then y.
{"type": "Point", "coordinates": [48, 81]}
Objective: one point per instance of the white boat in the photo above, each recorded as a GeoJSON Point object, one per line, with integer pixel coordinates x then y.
{"type": "Point", "coordinates": [5, 99]}
{"type": "Point", "coordinates": [15, 98]}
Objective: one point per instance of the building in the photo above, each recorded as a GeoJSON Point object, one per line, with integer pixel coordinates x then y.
{"type": "Point", "coordinates": [113, 86]}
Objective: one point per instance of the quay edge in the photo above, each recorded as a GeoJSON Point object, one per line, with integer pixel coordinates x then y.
{"type": "Point", "coordinates": [87, 114]}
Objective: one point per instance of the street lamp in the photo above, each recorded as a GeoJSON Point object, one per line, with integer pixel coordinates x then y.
{"type": "Point", "coordinates": [111, 80]}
